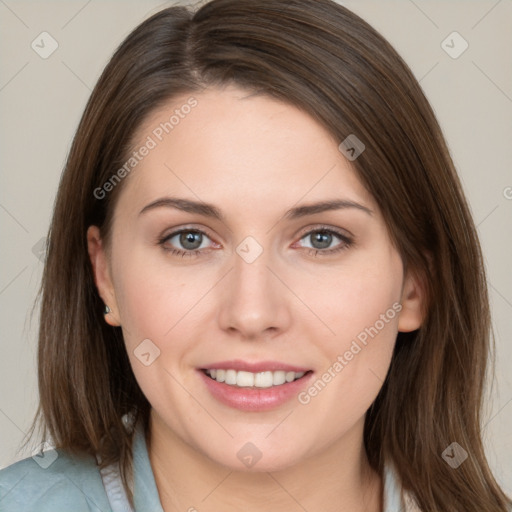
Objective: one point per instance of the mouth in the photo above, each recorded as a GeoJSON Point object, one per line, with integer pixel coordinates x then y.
{"type": "Point", "coordinates": [257, 380]}
{"type": "Point", "coordinates": [255, 391]}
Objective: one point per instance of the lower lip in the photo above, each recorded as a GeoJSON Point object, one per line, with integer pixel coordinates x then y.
{"type": "Point", "coordinates": [254, 399]}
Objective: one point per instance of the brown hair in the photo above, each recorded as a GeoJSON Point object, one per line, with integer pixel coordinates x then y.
{"type": "Point", "coordinates": [322, 58]}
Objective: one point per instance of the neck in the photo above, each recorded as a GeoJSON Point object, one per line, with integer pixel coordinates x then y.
{"type": "Point", "coordinates": [338, 479]}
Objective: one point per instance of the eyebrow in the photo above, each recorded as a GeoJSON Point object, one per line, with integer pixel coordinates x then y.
{"type": "Point", "coordinates": [209, 210]}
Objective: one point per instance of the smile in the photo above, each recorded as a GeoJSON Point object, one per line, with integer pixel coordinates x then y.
{"type": "Point", "coordinates": [244, 379]}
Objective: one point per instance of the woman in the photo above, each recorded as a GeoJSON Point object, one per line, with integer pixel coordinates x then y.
{"type": "Point", "coordinates": [263, 287]}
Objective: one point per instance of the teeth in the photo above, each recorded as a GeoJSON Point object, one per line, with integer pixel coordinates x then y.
{"type": "Point", "coordinates": [248, 379]}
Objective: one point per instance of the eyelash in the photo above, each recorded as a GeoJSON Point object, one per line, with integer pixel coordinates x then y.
{"type": "Point", "coordinates": [347, 242]}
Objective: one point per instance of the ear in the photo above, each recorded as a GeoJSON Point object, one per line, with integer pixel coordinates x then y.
{"type": "Point", "coordinates": [413, 303]}
{"type": "Point", "coordinates": [102, 276]}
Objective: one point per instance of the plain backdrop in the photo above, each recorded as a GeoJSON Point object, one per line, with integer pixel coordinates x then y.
{"type": "Point", "coordinates": [42, 100]}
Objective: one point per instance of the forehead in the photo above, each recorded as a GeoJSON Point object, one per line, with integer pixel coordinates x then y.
{"type": "Point", "coordinates": [229, 144]}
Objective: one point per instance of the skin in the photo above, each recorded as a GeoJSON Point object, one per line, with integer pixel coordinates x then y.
{"type": "Point", "coordinates": [254, 158]}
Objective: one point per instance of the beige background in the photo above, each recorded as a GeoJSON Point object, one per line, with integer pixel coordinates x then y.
{"type": "Point", "coordinates": [41, 101]}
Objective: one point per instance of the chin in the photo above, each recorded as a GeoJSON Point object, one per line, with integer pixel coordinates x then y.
{"type": "Point", "coordinates": [251, 459]}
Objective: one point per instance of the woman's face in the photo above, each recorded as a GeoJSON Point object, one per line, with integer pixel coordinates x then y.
{"type": "Point", "coordinates": [252, 283]}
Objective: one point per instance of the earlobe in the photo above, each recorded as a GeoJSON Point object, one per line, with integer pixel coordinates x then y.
{"type": "Point", "coordinates": [101, 274]}
{"type": "Point", "coordinates": [413, 304]}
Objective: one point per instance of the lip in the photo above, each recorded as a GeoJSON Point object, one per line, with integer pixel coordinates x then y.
{"type": "Point", "coordinates": [255, 399]}
{"type": "Point", "coordinates": [254, 367]}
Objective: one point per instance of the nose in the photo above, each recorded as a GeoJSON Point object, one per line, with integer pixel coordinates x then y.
{"type": "Point", "coordinates": [254, 302]}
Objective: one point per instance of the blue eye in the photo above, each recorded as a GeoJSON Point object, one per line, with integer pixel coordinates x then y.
{"type": "Point", "coordinates": [190, 239]}
{"type": "Point", "coordinates": [322, 239]}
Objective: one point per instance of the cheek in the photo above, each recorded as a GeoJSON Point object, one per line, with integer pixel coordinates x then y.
{"type": "Point", "coordinates": [351, 298]}
{"type": "Point", "coordinates": [154, 295]}
{"type": "Point", "coordinates": [361, 306]}
{"type": "Point", "coordinates": [353, 372]}
{"type": "Point", "coordinates": [167, 304]}
{"type": "Point", "coordinates": [156, 302]}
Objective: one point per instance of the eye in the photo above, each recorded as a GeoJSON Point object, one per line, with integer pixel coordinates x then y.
{"type": "Point", "coordinates": [323, 237]}
{"type": "Point", "coordinates": [192, 242]}
{"type": "Point", "coordinates": [190, 239]}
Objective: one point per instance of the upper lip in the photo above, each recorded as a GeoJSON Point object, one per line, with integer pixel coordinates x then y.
{"type": "Point", "coordinates": [254, 367]}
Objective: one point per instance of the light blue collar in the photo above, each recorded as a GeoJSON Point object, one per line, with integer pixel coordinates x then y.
{"type": "Point", "coordinates": [146, 493]}
{"type": "Point", "coordinates": [393, 500]}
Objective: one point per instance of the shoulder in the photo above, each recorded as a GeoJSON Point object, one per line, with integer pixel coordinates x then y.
{"type": "Point", "coordinates": [53, 481]}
